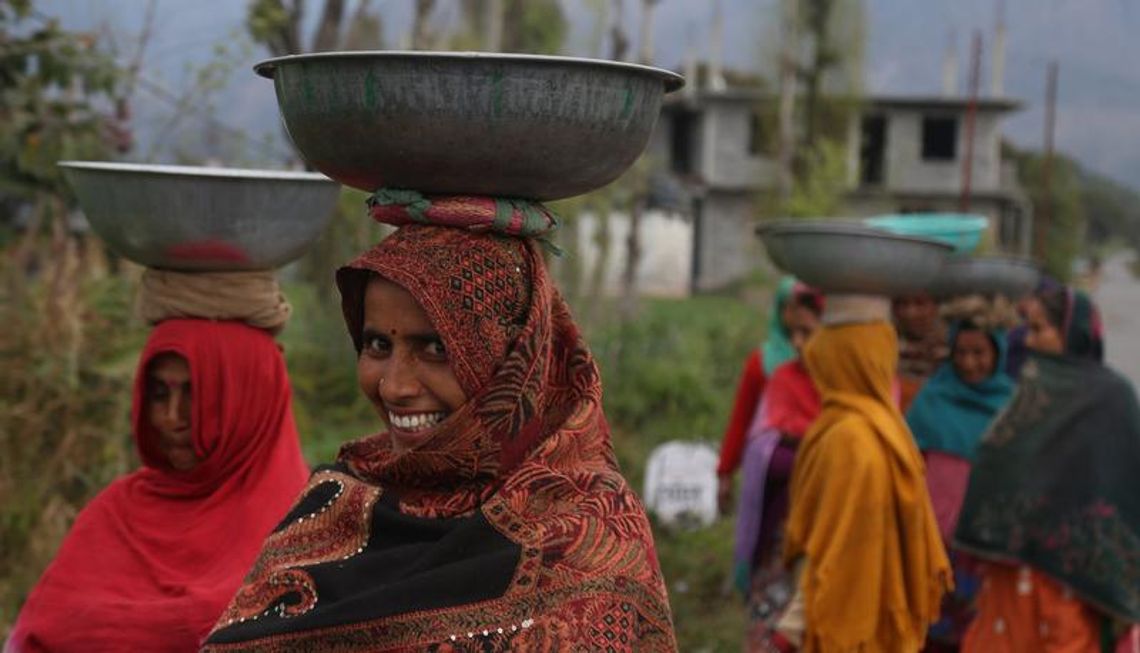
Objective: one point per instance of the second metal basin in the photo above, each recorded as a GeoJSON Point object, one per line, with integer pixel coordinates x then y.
{"type": "Point", "coordinates": [846, 256]}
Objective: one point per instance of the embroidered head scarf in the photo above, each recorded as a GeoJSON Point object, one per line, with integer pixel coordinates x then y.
{"type": "Point", "coordinates": [860, 516]}
{"type": "Point", "coordinates": [152, 561]}
{"type": "Point", "coordinates": [1055, 484]}
{"type": "Point", "coordinates": [510, 527]}
{"type": "Point", "coordinates": [951, 415]}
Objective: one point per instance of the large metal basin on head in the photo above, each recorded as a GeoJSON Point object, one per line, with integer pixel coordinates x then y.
{"type": "Point", "coordinates": [203, 219]}
{"type": "Point", "coordinates": [1011, 277]}
{"type": "Point", "coordinates": [846, 256]}
{"type": "Point", "coordinates": [525, 126]}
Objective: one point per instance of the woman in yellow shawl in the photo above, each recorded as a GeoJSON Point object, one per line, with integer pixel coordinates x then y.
{"type": "Point", "coordinates": [861, 528]}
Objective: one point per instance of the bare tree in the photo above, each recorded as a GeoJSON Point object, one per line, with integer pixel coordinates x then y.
{"type": "Point", "coordinates": [619, 39]}
{"type": "Point", "coordinates": [328, 29]}
{"type": "Point", "coordinates": [277, 25]}
{"type": "Point", "coordinates": [421, 32]}
{"type": "Point", "coordinates": [786, 153]}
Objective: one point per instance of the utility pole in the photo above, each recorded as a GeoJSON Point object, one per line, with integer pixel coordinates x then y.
{"type": "Point", "coordinates": [997, 75]}
{"type": "Point", "coordinates": [971, 119]}
{"type": "Point", "coordinates": [1046, 212]}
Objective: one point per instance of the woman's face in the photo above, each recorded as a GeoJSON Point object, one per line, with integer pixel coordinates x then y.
{"type": "Point", "coordinates": [975, 357]}
{"type": "Point", "coordinates": [168, 403]}
{"type": "Point", "coordinates": [801, 323]}
{"type": "Point", "coordinates": [915, 316]}
{"type": "Point", "coordinates": [1042, 336]}
{"type": "Point", "coordinates": [403, 368]}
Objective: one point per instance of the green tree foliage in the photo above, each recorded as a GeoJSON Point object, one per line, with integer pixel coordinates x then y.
{"type": "Point", "coordinates": [64, 381]}
{"type": "Point", "coordinates": [57, 93]}
{"type": "Point", "coordinates": [824, 45]}
{"type": "Point", "coordinates": [1084, 212]}
{"type": "Point", "coordinates": [821, 183]}
{"type": "Point", "coordinates": [278, 26]}
{"type": "Point", "coordinates": [1112, 211]}
{"type": "Point", "coordinates": [832, 31]}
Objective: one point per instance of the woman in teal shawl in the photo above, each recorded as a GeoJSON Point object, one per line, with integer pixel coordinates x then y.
{"type": "Point", "coordinates": [1053, 505]}
{"type": "Point", "coordinates": [951, 414]}
{"type": "Point", "coordinates": [948, 418]}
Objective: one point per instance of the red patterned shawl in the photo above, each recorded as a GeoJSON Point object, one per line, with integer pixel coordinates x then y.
{"type": "Point", "coordinates": [529, 454]}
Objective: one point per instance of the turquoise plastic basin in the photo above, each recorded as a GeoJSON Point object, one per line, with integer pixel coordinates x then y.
{"type": "Point", "coordinates": [963, 231]}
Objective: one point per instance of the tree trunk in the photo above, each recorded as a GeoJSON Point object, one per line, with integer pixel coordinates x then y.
{"type": "Point", "coordinates": [819, 15]}
{"type": "Point", "coordinates": [632, 257]}
{"type": "Point", "coordinates": [619, 41]}
{"type": "Point", "coordinates": [421, 38]}
{"type": "Point", "coordinates": [328, 30]}
{"type": "Point", "coordinates": [645, 38]}
{"type": "Point", "coordinates": [786, 153]}
{"type": "Point", "coordinates": [494, 25]}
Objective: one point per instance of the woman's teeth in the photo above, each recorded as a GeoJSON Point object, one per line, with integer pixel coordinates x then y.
{"type": "Point", "coordinates": [417, 422]}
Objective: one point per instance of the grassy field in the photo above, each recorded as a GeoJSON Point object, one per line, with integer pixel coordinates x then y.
{"type": "Point", "coordinates": [670, 374]}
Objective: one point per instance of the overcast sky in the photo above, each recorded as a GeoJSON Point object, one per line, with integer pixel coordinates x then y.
{"type": "Point", "coordinates": [1094, 41]}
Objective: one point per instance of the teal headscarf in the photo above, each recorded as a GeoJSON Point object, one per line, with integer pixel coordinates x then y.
{"type": "Point", "coordinates": [777, 348]}
{"type": "Point", "coordinates": [951, 415]}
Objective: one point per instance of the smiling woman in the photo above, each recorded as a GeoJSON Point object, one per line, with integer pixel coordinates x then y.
{"type": "Point", "coordinates": [489, 514]}
{"type": "Point", "coordinates": [403, 367]}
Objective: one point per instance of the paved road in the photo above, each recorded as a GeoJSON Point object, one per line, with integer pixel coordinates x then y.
{"type": "Point", "coordinates": [1118, 297]}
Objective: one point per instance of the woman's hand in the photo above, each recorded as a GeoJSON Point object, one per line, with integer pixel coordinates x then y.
{"type": "Point", "coordinates": [724, 493]}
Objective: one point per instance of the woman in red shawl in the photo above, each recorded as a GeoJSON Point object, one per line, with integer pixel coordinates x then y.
{"type": "Point", "coordinates": [789, 406]}
{"type": "Point", "coordinates": [489, 514]}
{"type": "Point", "coordinates": [151, 562]}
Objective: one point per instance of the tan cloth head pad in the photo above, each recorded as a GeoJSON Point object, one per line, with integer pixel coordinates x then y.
{"type": "Point", "coordinates": [251, 297]}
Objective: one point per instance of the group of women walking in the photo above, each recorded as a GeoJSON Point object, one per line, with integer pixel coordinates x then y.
{"type": "Point", "coordinates": [487, 513]}
{"type": "Point", "coordinates": [993, 515]}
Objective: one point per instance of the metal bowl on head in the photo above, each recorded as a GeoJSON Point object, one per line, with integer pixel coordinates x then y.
{"type": "Point", "coordinates": [508, 125]}
{"type": "Point", "coordinates": [991, 275]}
{"type": "Point", "coordinates": [846, 256]}
{"type": "Point", "coordinates": [203, 219]}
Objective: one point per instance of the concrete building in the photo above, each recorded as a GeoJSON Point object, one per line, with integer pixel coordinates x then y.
{"type": "Point", "coordinates": [905, 154]}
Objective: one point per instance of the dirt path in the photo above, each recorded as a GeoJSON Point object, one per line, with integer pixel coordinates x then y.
{"type": "Point", "coordinates": [1118, 296]}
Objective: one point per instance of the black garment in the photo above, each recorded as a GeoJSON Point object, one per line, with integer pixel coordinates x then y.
{"type": "Point", "coordinates": [409, 564]}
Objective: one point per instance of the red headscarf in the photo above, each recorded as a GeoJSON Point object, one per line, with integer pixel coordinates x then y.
{"type": "Point", "coordinates": [151, 562]}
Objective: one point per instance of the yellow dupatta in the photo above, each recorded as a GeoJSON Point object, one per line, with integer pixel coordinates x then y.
{"type": "Point", "coordinates": [860, 513]}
